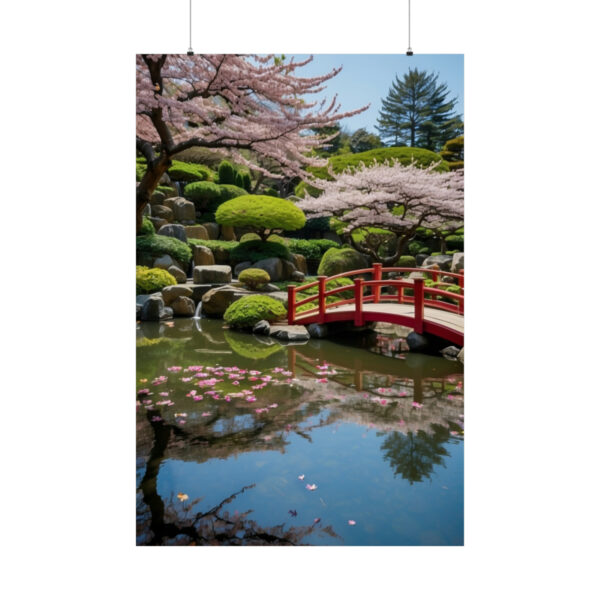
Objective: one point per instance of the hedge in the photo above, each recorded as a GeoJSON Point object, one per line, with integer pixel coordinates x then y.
{"type": "Point", "coordinates": [156, 245]}
{"type": "Point", "coordinates": [189, 172]}
{"type": "Point", "coordinates": [248, 311]}
{"type": "Point", "coordinates": [256, 250]}
{"type": "Point", "coordinates": [311, 249]}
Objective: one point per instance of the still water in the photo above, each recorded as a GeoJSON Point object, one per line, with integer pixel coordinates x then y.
{"type": "Point", "coordinates": [243, 440]}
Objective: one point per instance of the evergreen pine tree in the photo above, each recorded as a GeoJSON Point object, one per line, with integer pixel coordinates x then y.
{"type": "Point", "coordinates": [417, 112]}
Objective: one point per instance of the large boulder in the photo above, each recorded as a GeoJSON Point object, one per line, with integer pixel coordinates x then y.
{"type": "Point", "coordinates": [154, 309]}
{"type": "Point", "coordinates": [198, 290]}
{"type": "Point", "coordinates": [184, 210]}
{"type": "Point", "coordinates": [183, 307]}
{"type": "Point", "coordinates": [172, 292]}
{"type": "Point", "coordinates": [444, 261]}
{"type": "Point", "coordinates": [289, 333]}
{"type": "Point", "coordinates": [288, 268]}
{"type": "Point", "coordinates": [212, 229]}
{"type": "Point", "coordinates": [458, 262]}
{"type": "Point", "coordinates": [196, 232]}
{"type": "Point", "coordinates": [340, 260]}
{"type": "Point", "coordinates": [297, 276]}
{"type": "Point", "coordinates": [180, 276]}
{"type": "Point", "coordinates": [212, 274]}
{"type": "Point", "coordinates": [316, 330]}
{"type": "Point", "coordinates": [417, 342]}
{"type": "Point", "coordinates": [300, 262]}
{"type": "Point", "coordinates": [174, 231]}
{"type": "Point", "coordinates": [162, 212]}
{"type": "Point", "coordinates": [262, 328]}
{"type": "Point", "coordinates": [216, 301]}
{"type": "Point", "coordinates": [203, 256]}
{"type": "Point", "coordinates": [157, 198]}
{"type": "Point", "coordinates": [241, 267]}
{"type": "Point", "coordinates": [273, 266]}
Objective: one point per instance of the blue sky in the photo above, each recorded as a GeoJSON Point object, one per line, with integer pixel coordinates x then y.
{"type": "Point", "coordinates": [366, 79]}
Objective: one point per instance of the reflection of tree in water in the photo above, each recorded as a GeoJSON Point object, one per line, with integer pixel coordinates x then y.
{"type": "Point", "coordinates": [414, 455]}
{"type": "Point", "coordinates": [175, 523]}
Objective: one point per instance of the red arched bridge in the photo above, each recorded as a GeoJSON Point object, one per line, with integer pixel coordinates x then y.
{"type": "Point", "coordinates": [427, 310]}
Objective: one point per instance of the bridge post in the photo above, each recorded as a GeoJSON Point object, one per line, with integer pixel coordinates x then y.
{"type": "Point", "coordinates": [322, 288]}
{"type": "Point", "coordinates": [461, 283]}
{"type": "Point", "coordinates": [377, 277]}
{"type": "Point", "coordinates": [358, 302]}
{"type": "Point", "coordinates": [419, 285]}
{"type": "Point", "coordinates": [291, 302]}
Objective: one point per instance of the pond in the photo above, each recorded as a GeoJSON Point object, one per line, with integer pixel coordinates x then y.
{"type": "Point", "coordinates": [243, 440]}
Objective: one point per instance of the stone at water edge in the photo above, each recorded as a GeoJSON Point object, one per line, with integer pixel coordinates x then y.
{"type": "Point", "coordinates": [174, 231]}
{"type": "Point", "coordinates": [198, 290]}
{"type": "Point", "coordinates": [318, 331]}
{"type": "Point", "coordinates": [171, 292]}
{"type": "Point", "coordinates": [203, 256]}
{"type": "Point", "coordinates": [417, 342]}
{"type": "Point", "coordinates": [212, 274]}
{"type": "Point", "coordinates": [241, 267]}
{"type": "Point", "coordinates": [152, 309]}
{"type": "Point", "coordinates": [166, 313]}
{"type": "Point", "coordinates": [290, 333]}
{"type": "Point", "coordinates": [216, 301]}
{"type": "Point", "coordinates": [450, 352]}
{"type": "Point", "coordinates": [262, 328]}
{"type": "Point", "coordinates": [179, 275]}
{"type": "Point", "coordinates": [183, 307]}
{"type": "Point", "coordinates": [461, 355]}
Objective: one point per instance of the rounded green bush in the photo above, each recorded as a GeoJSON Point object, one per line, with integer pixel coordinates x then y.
{"type": "Point", "coordinates": [153, 246]}
{"type": "Point", "coordinates": [248, 311]}
{"type": "Point", "coordinates": [246, 182]}
{"type": "Point", "coordinates": [231, 191]}
{"type": "Point", "coordinates": [148, 280]}
{"type": "Point", "coordinates": [190, 172]}
{"type": "Point", "coordinates": [248, 237]}
{"type": "Point", "coordinates": [407, 261]}
{"type": "Point", "coordinates": [147, 227]}
{"type": "Point", "coordinates": [341, 260]}
{"type": "Point", "coordinates": [311, 249]}
{"type": "Point", "coordinates": [202, 192]}
{"type": "Point", "coordinates": [256, 250]}
{"type": "Point", "coordinates": [254, 279]}
{"type": "Point", "coordinates": [262, 213]}
{"type": "Point", "coordinates": [271, 191]}
{"type": "Point", "coordinates": [226, 172]}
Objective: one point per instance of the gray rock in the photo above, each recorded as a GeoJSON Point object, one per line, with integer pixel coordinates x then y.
{"type": "Point", "coordinates": [458, 262]}
{"type": "Point", "coordinates": [138, 311]}
{"type": "Point", "coordinates": [281, 296]}
{"type": "Point", "coordinates": [203, 256]}
{"type": "Point", "coordinates": [157, 198]}
{"type": "Point", "coordinates": [417, 342]}
{"type": "Point", "coordinates": [147, 212]}
{"type": "Point", "coordinates": [297, 276]}
{"type": "Point", "coordinates": [242, 267]}
{"type": "Point", "coordinates": [174, 231]}
{"type": "Point", "coordinates": [212, 274]}
{"type": "Point", "coordinates": [183, 307]}
{"type": "Point", "coordinates": [461, 355]}
{"type": "Point", "coordinates": [448, 279]}
{"type": "Point", "coordinates": [212, 229]}
{"type": "Point", "coordinates": [198, 291]}
{"type": "Point", "coordinates": [164, 262]}
{"type": "Point", "coordinates": [216, 301]}
{"type": "Point", "coordinates": [315, 330]}
{"type": "Point", "coordinates": [196, 232]}
{"type": "Point", "coordinates": [444, 261]}
{"type": "Point", "coordinates": [450, 352]}
{"type": "Point", "coordinates": [273, 266]}
{"type": "Point", "coordinates": [290, 333]}
{"type": "Point", "coordinates": [270, 287]}
{"type": "Point", "coordinates": [288, 269]}
{"type": "Point", "coordinates": [157, 222]}
{"type": "Point", "coordinates": [179, 275]}
{"type": "Point", "coordinates": [162, 212]}
{"type": "Point", "coordinates": [166, 313]}
{"type": "Point", "coordinates": [420, 258]}
{"type": "Point", "coordinates": [141, 298]}
{"type": "Point", "coordinates": [152, 309]}
{"type": "Point", "coordinates": [262, 328]}
{"type": "Point", "coordinates": [184, 210]}
{"type": "Point", "coordinates": [171, 292]}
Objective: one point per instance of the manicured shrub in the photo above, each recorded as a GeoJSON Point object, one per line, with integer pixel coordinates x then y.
{"type": "Point", "coordinates": [246, 182]}
{"type": "Point", "coordinates": [248, 237]}
{"type": "Point", "coordinates": [239, 179]}
{"type": "Point", "coordinates": [248, 311]}
{"type": "Point", "coordinates": [153, 246]}
{"type": "Point", "coordinates": [263, 214]}
{"type": "Point", "coordinates": [167, 190]}
{"type": "Point", "coordinates": [231, 191]}
{"type": "Point", "coordinates": [406, 261]}
{"type": "Point", "coordinates": [226, 172]}
{"type": "Point", "coordinates": [340, 260]}
{"type": "Point", "coordinates": [453, 152]}
{"type": "Point", "coordinates": [189, 172]}
{"type": "Point", "coordinates": [147, 227]}
{"type": "Point", "coordinates": [271, 191]}
{"type": "Point", "coordinates": [455, 242]}
{"type": "Point", "coordinates": [201, 193]}
{"type": "Point", "coordinates": [256, 250]}
{"type": "Point", "coordinates": [148, 280]}
{"type": "Point", "coordinates": [254, 279]}
{"type": "Point", "coordinates": [214, 244]}
{"type": "Point", "coordinates": [311, 249]}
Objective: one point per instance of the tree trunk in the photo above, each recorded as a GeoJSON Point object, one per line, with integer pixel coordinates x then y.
{"type": "Point", "coordinates": [148, 185]}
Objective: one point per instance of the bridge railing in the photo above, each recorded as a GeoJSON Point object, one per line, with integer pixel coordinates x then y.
{"type": "Point", "coordinates": [438, 297]}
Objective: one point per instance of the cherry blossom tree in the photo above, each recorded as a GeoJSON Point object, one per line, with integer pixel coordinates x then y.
{"type": "Point", "coordinates": [232, 104]}
{"type": "Point", "coordinates": [389, 196]}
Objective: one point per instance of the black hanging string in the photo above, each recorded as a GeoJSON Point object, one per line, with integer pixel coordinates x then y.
{"type": "Point", "coordinates": [190, 51]}
{"type": "Point", "coordinates": [409, 52]}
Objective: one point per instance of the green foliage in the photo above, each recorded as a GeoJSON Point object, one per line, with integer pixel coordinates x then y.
{"type": "Point", "coordinates": [246, 182]}
{"type": "Point", "coordinates": [214, 244]}
{"type": "Point", "coordinates": [167, 190]}
{"type": "Point", "coordinates": [361, 141]}
{"type": "Point", "coordinates": [454, 153]}
{"type": "Point", "coordinates": [254, 279]}
{"type": "Point", "coordinates": [303, 189]}
{"type": "Point", "coordinates": [148, 280]}
{"type": "Point", "coordinates": [226, 173]}
{"type": "Point", "coordinates": [248, 311]}
{"type": "Point", "coordinates": [311, 249]}
{"type": "Point", "coordinates": [157, 245]}
{"type": "Point", "coordinates": [231, 191]}
{"type": "Point", "coordinates": [140, 170]}
{"type": "Point", "coordinates": [271, 191]}
{"type": "Point", "coordinates": [417, 247]}
{"type": "Point", "coordinates": [202, 192]}
{"type": "Point", "coordinates": [147, 227]}
{"type": "Point", "coordinates": [239, 180]}
{"type": "Point", "coordinates": [247, 237]}
{"type": "Point", "coordinates": [339, 260]}
{"type": "Point", "coordinates": [256, 250]}
{"type": "Point", "coordinates": [189, 172]}
{"type": "Point", "coordinates": [260, 213]}
{"type": "Point", "coordinates": [455, 242]}
{"type": "Point", "coordinates": [406, 261]}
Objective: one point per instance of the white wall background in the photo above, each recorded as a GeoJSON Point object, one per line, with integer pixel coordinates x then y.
{"type": "Point", "coordinates": [67, 328]}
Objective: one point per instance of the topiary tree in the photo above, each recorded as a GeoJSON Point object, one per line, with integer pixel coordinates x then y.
{"type": "Point", "coordinates": [263, 214]}
{"type": "Point", "coordinates": [248, 311]}
{"type": "Point", "coordinates": [227, 173]}
{"type": "Point", "coordinates": [454, 153]}
{"type": "Point", "coordinates": [341, 260]}
{"type": "Point", "coordinates": [254, 279]}
{"type": "Point", "coordinates": [201, 193]}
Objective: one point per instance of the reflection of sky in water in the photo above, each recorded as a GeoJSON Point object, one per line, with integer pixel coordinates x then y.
{"type": "Point", "coordinates": [395, 469]}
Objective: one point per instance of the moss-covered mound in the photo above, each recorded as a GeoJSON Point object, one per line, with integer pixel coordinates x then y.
{"type": "Point", "coordinates": [153, 246]}
{"type": "Point", "coordinates": [182, 171]}
{"type": "Point", "coordinates": [340, 260]}
{"type": "Point", "coordinates": [147, 227]}
{"type": "Point", "coordinates": [248, 311]}
{"type": "Point", "coordinates": [148, 280]}
{"type": "Point", "coordinates": [254, 279]}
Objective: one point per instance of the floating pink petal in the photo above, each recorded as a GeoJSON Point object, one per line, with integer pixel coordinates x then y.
{"type": "Point", "coordinates": [317, 520]}
{"type": "Point", "coordinates": [311, 486]}
{"type": "Point", "coordinates": [300, 477]}
{"type": "Point", "coordinates": [351, 522]}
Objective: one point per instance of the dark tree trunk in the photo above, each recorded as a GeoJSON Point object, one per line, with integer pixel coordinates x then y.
{"type": "Point", "coordinates": [147, 186]}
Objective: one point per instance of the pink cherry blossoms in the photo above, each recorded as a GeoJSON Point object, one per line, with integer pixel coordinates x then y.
{"type": "Point", "coordinates": [395, 197]}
